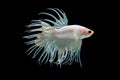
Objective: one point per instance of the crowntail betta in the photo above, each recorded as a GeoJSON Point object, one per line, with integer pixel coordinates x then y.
{"type": "Point", "coordinates": [60, 43]}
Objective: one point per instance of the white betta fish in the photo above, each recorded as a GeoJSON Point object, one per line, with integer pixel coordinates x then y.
{"type": "Point", "coordinates": [60, 43]}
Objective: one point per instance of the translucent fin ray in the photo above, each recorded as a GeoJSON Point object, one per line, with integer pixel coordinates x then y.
{"type": "Point", "coordinates": [57, 21]}
{"type": "Point", "coordinates": [61, 22]}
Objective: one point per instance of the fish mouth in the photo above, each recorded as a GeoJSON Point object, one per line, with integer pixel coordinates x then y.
{"type": "Point", "coordinates": [92, 32]}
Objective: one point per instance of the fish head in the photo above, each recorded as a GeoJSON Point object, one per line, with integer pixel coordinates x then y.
{"type": "Point", "coordinates": [85, 32]}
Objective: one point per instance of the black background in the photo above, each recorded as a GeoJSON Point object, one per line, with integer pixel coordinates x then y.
{"type": "Point", "coordinates": [20, 13]}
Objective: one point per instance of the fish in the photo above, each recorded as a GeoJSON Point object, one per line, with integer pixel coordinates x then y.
{"type": "Point", "coordinates": [54, 41]}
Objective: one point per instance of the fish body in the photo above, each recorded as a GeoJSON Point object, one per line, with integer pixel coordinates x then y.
{"type": "Point", "coordinates": [72, 31]}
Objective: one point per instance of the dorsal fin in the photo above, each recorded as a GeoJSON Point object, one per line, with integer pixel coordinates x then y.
{"type": "Point", "coordinates": [61, 22]}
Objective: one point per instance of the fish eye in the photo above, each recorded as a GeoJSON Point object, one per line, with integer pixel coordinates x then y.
{"type": "Point", "coordinates": [89, 31]}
